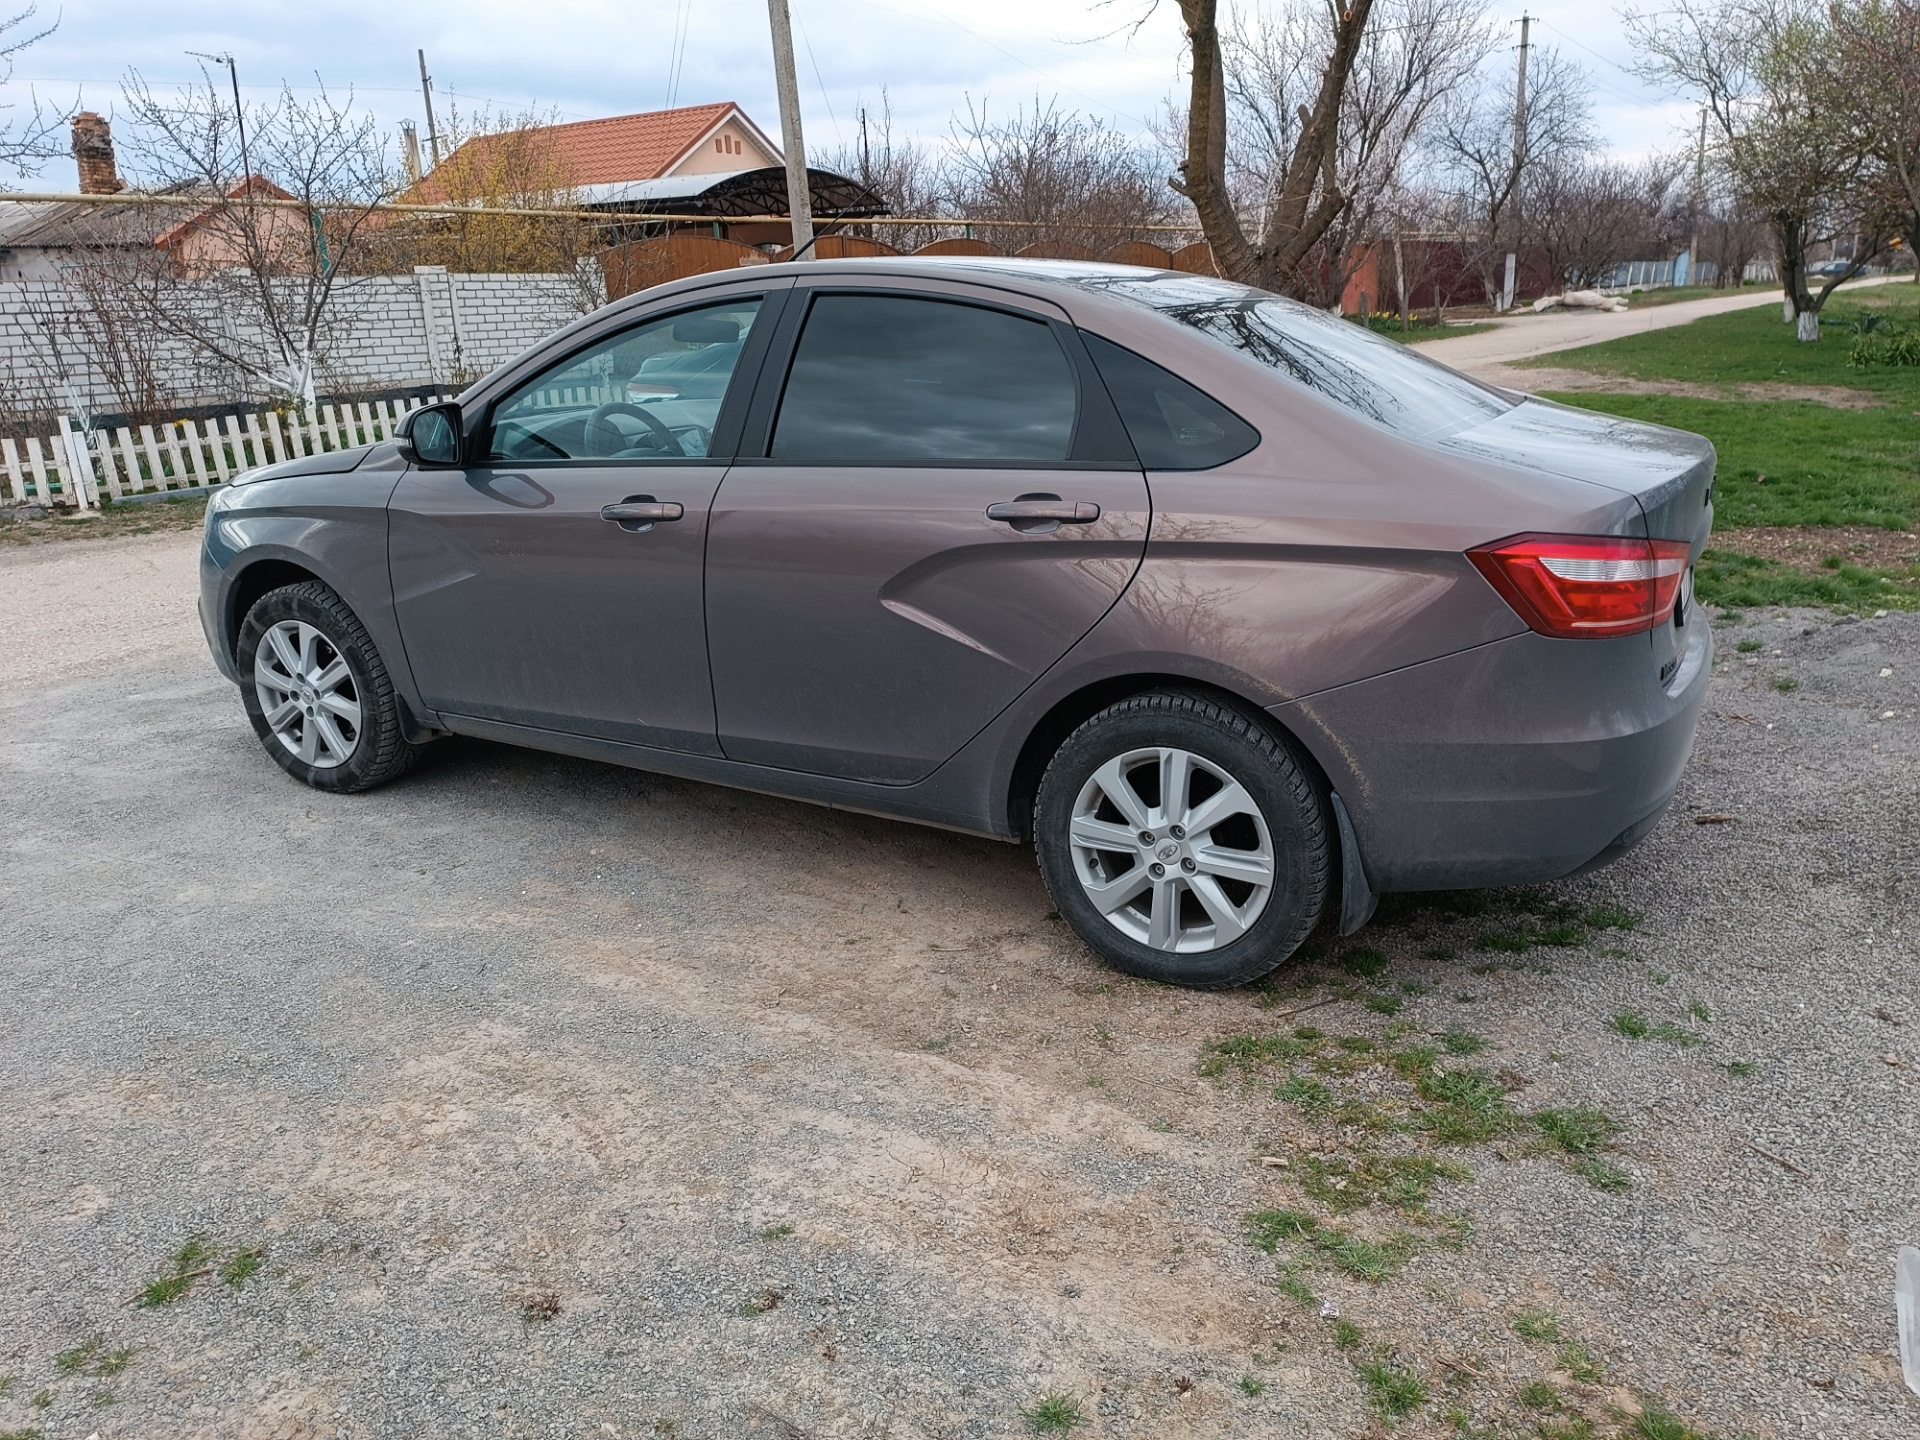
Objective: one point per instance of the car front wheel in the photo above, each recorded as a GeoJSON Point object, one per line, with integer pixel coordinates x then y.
{"type": "Point", "coordinates": [317, 692]}
{"type": "Point", "coordinates": [1183, 841]}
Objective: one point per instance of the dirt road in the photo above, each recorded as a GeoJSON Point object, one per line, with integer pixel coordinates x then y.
{"type": "Point", "coordinates": [533, 1097]}
{"type": "Point", "coordinates": [1525, 336]}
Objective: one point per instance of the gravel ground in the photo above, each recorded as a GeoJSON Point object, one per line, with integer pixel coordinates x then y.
{"type": "Point", "coordinates": [533, 1097]}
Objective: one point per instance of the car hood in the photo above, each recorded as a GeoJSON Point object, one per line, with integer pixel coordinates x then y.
{"type": "Point", "coordinates": [328, 462]}
{"type": "Point", "coordinates": [1670, 472]}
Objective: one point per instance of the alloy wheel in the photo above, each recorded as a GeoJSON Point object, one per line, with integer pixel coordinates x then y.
{"type": "Point", "coordinates": [1172, 850]}
{"type": "Point", "coordinates": [307, 694]}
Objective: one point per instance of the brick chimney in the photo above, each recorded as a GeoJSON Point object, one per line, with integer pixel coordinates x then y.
{"type": "Point", "coordinates": [93, 151]}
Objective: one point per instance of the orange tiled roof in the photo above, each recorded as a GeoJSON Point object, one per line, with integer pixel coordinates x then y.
{"type": "Point", "coordinates": [623, 148]}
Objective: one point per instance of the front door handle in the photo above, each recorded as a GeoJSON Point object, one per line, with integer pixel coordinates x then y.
{"type": "Point", "coordinates": [642, 512]}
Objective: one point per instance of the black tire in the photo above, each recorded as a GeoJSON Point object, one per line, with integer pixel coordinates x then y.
{"type": "Point", "coordinates": [1296, 849]}
{"type": "Point", "coordinates": [379, 750]}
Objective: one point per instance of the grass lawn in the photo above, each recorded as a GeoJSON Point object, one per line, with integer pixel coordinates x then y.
{"type": "Point", "coordinates": [1785, 461]}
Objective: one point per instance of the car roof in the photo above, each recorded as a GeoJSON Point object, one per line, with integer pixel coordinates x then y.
{"type": "Point", "coordinates": [1039, 277]}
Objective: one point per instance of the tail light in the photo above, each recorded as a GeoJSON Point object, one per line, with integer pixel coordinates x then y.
{"type": "Point", "coordinates": [1576, 587]}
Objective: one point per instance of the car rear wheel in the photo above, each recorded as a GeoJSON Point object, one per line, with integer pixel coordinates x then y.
{"type": "Point", "coordinates": [1183, 841]}
{"type": "Point", "coordinates": [317, 692]}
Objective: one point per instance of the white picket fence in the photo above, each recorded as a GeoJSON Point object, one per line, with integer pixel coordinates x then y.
{"type": "Point", "coordinates": [77, 467]}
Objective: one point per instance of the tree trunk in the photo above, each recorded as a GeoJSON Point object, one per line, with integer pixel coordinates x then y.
{"type": "Point", "coordinates": [1309, 198]}
{"type": "Point", "coordinates": [1808, 326]}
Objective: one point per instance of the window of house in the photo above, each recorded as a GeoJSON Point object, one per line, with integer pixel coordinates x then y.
{"type": "Point", "coordinates": [925, 382]}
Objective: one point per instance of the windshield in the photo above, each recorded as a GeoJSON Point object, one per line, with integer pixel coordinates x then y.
{"type": "Point", "coordinates": [1379, 378]}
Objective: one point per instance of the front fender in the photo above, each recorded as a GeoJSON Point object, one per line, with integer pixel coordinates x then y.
{"type": "Point", "coordinates": [332, 526]}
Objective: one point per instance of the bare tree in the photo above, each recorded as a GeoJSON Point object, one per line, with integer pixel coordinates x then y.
{"type": "Point", "coordinates": [1307, 198]}
{"type": "Point", "coordinates": [35, 137]}
{"type": "Point", "coordinates": [1068, 179]}
{"type": "Point", "coordinates": [1784, 130]}
{"type": "Point", "coordinates": [252, 278]}
{"type": "Point", "coordinates": [911, 177]}
{"type": "Point", "coordinates": [1407, 67]}
{"type": "Point", "coordinates": [1490, 158]}
{"type": "Point", "coordinates": [1730, 236]}
{"type": "Point", "coordinates": [1591, 216]}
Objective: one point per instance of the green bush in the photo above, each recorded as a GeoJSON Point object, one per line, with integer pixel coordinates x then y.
{"type": "Point", "coordinates": [1883, 348]}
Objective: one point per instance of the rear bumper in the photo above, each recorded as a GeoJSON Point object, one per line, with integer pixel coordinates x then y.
{"type": "Point", "coordinates": [1513, 763]}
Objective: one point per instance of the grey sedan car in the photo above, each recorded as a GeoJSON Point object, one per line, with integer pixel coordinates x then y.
{"type": "Point", "coordinates": [1242, 614]}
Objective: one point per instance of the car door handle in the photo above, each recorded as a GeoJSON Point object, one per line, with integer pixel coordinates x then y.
{"type": "Point", "coordinates": [1063, 512]}
{"type": "Point", "coordinates": [642, 512]}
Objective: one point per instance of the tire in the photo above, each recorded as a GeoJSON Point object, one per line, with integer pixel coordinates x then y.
{"type": "Point", "coordinates": [1207, 922]}
{"type": "Point", "coordinates": [342, 733]}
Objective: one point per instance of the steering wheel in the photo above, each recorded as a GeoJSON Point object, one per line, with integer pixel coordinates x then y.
{"type": "Point", "coordinates": [598, 422]}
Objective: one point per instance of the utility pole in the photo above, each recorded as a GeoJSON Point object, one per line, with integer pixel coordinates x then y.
{"type": "Point", "coordinates": [426, 93]}
{"type": "Point", "coordinates": [1519, 154]}
{"type": "Point", "coordinates": [799, 197]}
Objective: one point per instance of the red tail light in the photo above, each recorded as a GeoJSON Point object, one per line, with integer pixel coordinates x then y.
{"type": "Point", "coordinates": [1576, 587]}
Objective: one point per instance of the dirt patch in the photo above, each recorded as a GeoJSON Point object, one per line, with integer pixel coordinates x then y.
{"type": "Point", "coordinates": [154, 517]}
{"type": "Point", "coordinates": [1808, 548]}
{"type": "Point", "coordinates": [1532, 379]}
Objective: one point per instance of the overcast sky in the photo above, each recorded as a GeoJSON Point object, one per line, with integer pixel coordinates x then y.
{"type": "Point", "coordinates": [583, 59]}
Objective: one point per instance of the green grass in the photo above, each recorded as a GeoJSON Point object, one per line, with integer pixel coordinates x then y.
{"type": "Point", "coordinates": [1753, 346]}
{"type": "Point", "coordinates": [1578, 1130]}
{"type": "Point", "coordinates": [1582, 1364]}
{"type": "Point", "coordinates": [1655, 1423]}
{"type": "Point", "coordinates": [1054, 1414]}
{"type": "Point", "coordinates": [1739, 582]}
{"type": "Point", "coordinates": [1346, 1335]}
{"type": "Point", "coordinates": [1345, 1184]}
{"type": "Point", "coordinates": [1465, 1107]}
{"type": "Point", "coordinates": [1539, 1395]}
{"type": "Point", "coordinates": [1542, 1327]}
{"type": "Point", "coordinates": [192, 1262]}
{"type": "Point", "coordinates": [1787, 462]}
{"type": "Point", "coordinates": [1252, 1385]}
{"type": "Point", "coordinates": [93, 1358]}
{"type": "Point", "coordinates": [1392, 1390]}
{"type": "Point", "coordinates": [1373, 1261]}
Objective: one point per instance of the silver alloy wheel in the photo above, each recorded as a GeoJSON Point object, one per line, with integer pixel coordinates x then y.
{"type": "Point", "coordinates": [1172, 850]}
{"type": "Point", "coordinates": [307, 694]}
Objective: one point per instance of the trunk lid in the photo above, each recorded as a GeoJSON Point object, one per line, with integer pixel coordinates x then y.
{"type": "Point", "coordinates": [1669, 472]}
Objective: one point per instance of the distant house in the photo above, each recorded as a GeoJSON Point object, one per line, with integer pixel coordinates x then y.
{"type": "Point", "coordinates": [41, 239]}
{"type": "Point", "coordinates": [701, 160]}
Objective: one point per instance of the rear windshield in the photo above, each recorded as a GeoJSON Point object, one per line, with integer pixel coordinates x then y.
{"type": "Point", "coordinates": [1379, 378]}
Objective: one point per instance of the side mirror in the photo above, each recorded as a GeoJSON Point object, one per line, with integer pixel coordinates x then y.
{"type": "Point", "coordinates": [431, 436]}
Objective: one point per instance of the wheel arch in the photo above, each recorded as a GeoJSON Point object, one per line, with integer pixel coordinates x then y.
{"type": "Point", "coordinates": [1071, 711]}
{"type": "Point", "coordinates": [258, 577]}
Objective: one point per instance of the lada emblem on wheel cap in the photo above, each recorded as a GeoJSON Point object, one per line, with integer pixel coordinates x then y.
{"type": "Point", "coordinates": [1169, 850]}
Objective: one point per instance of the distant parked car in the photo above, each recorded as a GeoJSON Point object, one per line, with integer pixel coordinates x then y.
{"type": "Point", "coordinates": [1830, 269]}
{"type": "Point", "coordinates": [1242, 614]}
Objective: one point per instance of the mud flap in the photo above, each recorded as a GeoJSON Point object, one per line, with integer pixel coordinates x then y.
{"type": "Point", "coordinates": [1357, 900]}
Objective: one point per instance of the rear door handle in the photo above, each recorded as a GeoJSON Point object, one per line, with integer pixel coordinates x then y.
{"type": "Point", "coordinates": [1061, 512]}
{"type": "Point", "coordinates": [642, 512]}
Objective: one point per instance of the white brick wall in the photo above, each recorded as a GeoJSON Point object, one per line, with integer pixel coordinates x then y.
{"type": "Point", "coordinates": [428, 328]}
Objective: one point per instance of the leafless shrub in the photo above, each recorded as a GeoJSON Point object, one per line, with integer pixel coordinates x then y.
{"type": "Point", "coordinates": [1070, 179]}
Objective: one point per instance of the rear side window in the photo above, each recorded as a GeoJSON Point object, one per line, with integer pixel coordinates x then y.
{"type": "Point", "coordinates": [1173, 426]}
{"type": "Point", "coordinates": [881, 378]}
{"type": "Point", "coordinates": [1389, 383]}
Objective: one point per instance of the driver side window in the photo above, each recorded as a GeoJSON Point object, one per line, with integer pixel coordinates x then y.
{"type": "Point", "coordinates": [650, 393]}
